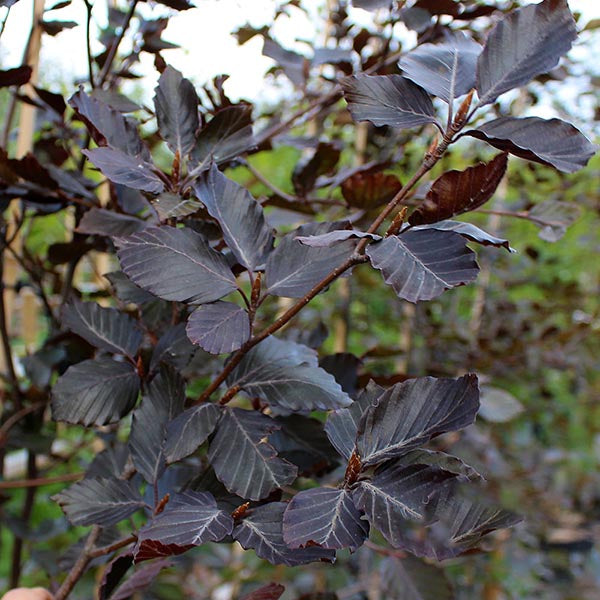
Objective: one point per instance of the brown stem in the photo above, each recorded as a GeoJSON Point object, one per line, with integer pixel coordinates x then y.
{"type": "Point", "coordinates": [88, 23]}
{"type": "Point", "coordinates": [14, 419]}
{"type": "Point", "coordinates": [79, 567]}
{"type": "Point", "coordinates": [102, 551]}
{"type": "Point", "coordinates": [39, 481]}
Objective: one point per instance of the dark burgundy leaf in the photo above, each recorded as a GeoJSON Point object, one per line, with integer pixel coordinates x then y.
{"type": "Point", "coordinates": [409, 578]}
{"type": "Point", "coordinates": [240, 216]}
{"type": "Point", "coordinates": [344, 367]}
{"type": "Point", "coordinates": [468, 231]}
{"type": "Point", "coordinates": [292, 269]}
{"type": "Point", "coordinates": [457, 192]}
{"type": "Point", "coordinates": [140, 580]}
{"type": "Point", "coordinates": [446, 70]}
{"type": "Point", "coordinates": [175, 264]}
{"type": "Point", "coordinates": [30, 169]}
{"type": "Point", "coordinates": [294, 65]}
{"type": "Point", "coordinates": [115, 100]}
{"type": "Point", "coordinates": [439, 7]}
{"type": "Point", "coordinates": [409, 414]}
{"type": "Point", "coordinates": [243, 433]}
{"type": "Point", "coordinates": [105, 328]}
{"type": "Point", "coordinates": [55, 27]}
{"type": "Point", "coordinates": [462, 520]}
{"type": "Point", "coordinates": [95, 392]}
{"type": "Point", "coordinates": [388, 100]}
{"type": "Point", "coordinates": [190, 429]}
{"type": "Point", "coordinates": [326, 240]}
{"type": "Point", "coordinates": [370, 190]}
{"type": "Point", "coordinates": [525, 43]}
{"type": "Point", "coordinates": [554, 217]}
{"type": "Point", "coordinates": [333, 56]}
{"type": "Point", "coordinates": [55, 101]}
{"type": "Point", "coordinates": [219, 327]}
{"type": "Point", "coordinates": [314, 163]}
{"type": "Point", "coordinates": [173, 348]}
{"type": "Point", "coordinates": [109, 127]}
{"type": "Point", "coordinates": [176, 105]}
{"type": "Point", "coordinates": [110, 462]}
{"type": "Point", "coordinates": [189, 519]}
{"type": "Point", "coordinates": [397, 494]}
{"type": "Point", "coordinates": [272, 591]}
{"type": "Point", "coordinates": [228, 135]}
{"type": "Point", "coordinates": [17, 76]}
{"type": "Point", "coordinates": [150, 549]}
{"type": "Point", "coordinates": [125, 169]}
{"type": "Point", "coordinates": [342, 425]}
{"type": "Point", "coordinates": [177, 4]}
{"type": "Point", "coordinates": [164, 401]}
{"type": "Point", "coordinates": [262, 531]}
{"type": "Point", "coordinates": [126, 290]}
{"type": "Point", "coordinates": [547, 141]}
{"type": "Point", "coordinates": [101, 221]}
{"type": "Point", "coordinates": [285, 384]}
{"type": "Point", "coordinates": [113, 573]}
{"type": "Point", "coordinates": [170, 206]}
{"type": "Point", "coordinates": [420, 265]}
{"type": "Point", "coordinates": [99, 501]}
{"type": "Point", "coordinates": [444, 461]}
{"type": "Point", "coordinates": [324, 516]}
{"type": "Point", "coordinates": [302, 441]}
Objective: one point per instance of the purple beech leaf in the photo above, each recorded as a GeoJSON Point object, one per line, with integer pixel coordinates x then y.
{"type": "Point", "coordinates": [99, 501]}
{"type": "Point", "coordinates": [189, 519]}
{"type": "Point", "coordinates": [17, 76]}
{"type": "Point", "coordinates": [189, 430]}
{"type": "Point", "coordinates": [342, 425]}
{"type": "Point", "coordinates": [272, 591]}
{"type": "Point", "coordinates": [219, 327]}
{"type": "Point", "coordinates": [110, 462]}
{"type": "Point", "coordinates": [292, 269]}
{"type": "Point", "coordinates": [127, 170]}
{"type": "Point", "coordinates": [550, 142]}
{"type": "Point", "coordinates": [95, 392]}
{"type": "Point", "coordinates": [113, 573]}
{"type": "Point", "coordinates": [170, 206]}
{"type": "Point", "coordinates": [315, 162]}
{"type": "Point", "coordinates": [177, 4]}
{"type": "Point", "coordinates": [554, 217]}
{"type": "Point", "coordinates": [462, 519]}
{"type": "Point", "coordinates": [525, 43]}
{"type": "Point", "coordinates": [55, 101]}
{"type": "Point", "coordinates": [176, 105]}
{"type": "Point", "coordinates": [261, 530]}
{"type": "Point", "coordinates": [162, 403]}
{"type": "Point", "coordinates": [457, 192]}
{"type": "Point", "coordinates": [397, 494]}
{"type": "Point", "coordinates": [285, 383]}
{"type": "Point", "coordinates": [420, 265]}
{"type": "Point", "coordinates": [302, 441]}
{"type": "Point", "coordinates": [344, 367]}
{"type": "Point", "coordinates": [175, 264]}
{"type": "Point", "coordinates": [388, 100]}
{"type": "Point", "coordinates": [418, 580]}
{"type": "Point", "coordinates": [371, 4]}
{"type": "Point", "coordinates": [324, 516]}
{"type": "Point", "coordinates": [173, 348]}
{"type": "Point", "coordinates": [368, 190]}
{"type": "Point", "coordinates": [140, 580]}
{"type": "Point", "coordinates": [409, 414]}
{"type": "Point", "coordinates": [468, 231]}
{"type": "Point", "coordinates": [327, 240]}
{"type": "Point", "coordinates": [115, 100]}
{"type": "Point", "coordinates": [126, 290]}
{"type": "Point", "coordinates": [240, 216]}
{"type": "Point", "coordinates": [101, 221]}
{"type": "Point", "coordinates": [109, 127]}
{"type": "Point", "coordinates": [226, 136]}
{"type": "Point", "coordinates": [441, 460]}
{"type": "Point", "coordinates": [243, 459]}
{"type": "Point", "coordinates": [105, 328]}
{"type": "Point", "coordinates": [292, 63]}
{"type": "Point", "coordinates": [446, 70]}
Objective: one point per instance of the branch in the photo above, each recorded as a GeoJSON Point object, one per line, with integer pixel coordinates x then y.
{"type": "Point", "coordinates": [39, 481]}
{"type": "Point", "coordinates": [79, 567]}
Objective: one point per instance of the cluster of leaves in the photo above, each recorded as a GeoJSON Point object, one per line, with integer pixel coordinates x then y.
{"type": "Point", "coordinates": [202, 264]}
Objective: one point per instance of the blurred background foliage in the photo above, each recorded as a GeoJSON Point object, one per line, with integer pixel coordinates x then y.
{"type": "Point", "coordinates": [529, 327]}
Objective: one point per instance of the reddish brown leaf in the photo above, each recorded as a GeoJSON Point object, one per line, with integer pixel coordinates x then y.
{"type": "Point", "coordinates": [370, 190]}
{"type": "Point", "coordinates": [457, 192]}
{"type": "Point", "coordinates": [17, 76]}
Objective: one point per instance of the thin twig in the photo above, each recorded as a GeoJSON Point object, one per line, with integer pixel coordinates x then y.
{"type": "Point", "coordinates": [88, 23]}
{"type": "Point", "coordinates": [39, 481]}
{"type": "Point", "coordinates": [104, 550]}
{"type": "Point", "coordinates": [14, 419]}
